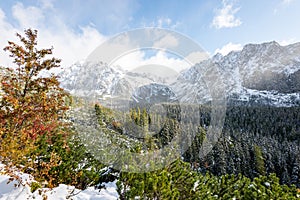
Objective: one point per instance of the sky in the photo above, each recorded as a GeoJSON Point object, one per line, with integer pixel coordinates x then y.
{"type": "Point", "coordinates": [74, 28]}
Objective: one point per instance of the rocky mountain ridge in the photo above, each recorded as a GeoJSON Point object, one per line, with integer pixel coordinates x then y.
{"type": "Point", "coordinates": [264, 73]}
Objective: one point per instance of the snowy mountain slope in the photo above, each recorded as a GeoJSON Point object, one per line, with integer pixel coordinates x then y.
{"type": "Point", "coordinates": [252, 97]}
{"type": "Point", "coordinates": [20, 190]}
{"type": "Point", "coordinates": [98, 78]}
{"type": "Point", "coordinates": [266, 66]}
{"type": "Point", "coordinates": [266, 73]}
{"type": "Point", "coordinates": [87, 77]}
{"type": "Point", "coordinates": [263, 73]}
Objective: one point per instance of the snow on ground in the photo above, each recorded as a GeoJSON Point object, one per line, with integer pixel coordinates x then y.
{"type": "Point", "coordinates": [13, 190]}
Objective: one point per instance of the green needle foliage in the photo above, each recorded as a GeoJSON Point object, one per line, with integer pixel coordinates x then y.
{"type": "Point", "coordinates": [178, 181]}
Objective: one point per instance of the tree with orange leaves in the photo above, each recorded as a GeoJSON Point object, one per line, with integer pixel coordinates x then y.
{"type": "Point", "coordinates": [31, 105]}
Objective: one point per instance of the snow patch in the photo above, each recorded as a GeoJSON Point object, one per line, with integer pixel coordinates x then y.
{"type": "Point", "coordinates": [20, 190]}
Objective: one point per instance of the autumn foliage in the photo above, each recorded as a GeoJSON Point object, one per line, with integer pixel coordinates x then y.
{"type": "Point", "coordinates": [31, 105]}
{"type": "Point", "coordinates": [35, 133]}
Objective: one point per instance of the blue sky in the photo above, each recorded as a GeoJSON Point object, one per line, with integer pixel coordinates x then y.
{"type": "Point", "coordinates": [217, 25]}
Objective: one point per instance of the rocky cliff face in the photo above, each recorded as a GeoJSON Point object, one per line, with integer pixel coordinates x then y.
{"type": "Point", "coordinates": [266, 66]}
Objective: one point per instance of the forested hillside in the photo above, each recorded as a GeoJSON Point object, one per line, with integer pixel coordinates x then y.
{"type": "Point", "coordinates": [256, 157]}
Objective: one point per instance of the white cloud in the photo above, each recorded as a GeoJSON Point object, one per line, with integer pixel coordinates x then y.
{"type": "Point", "coordinates": [287, 42]}
{"type": "Point", "coordinates": [136, 59]}
{"type": "Point", "coordinates": [27, 17]}
{"type": "Point", "coordinates": [69, 45]}
{"type": "Point", "coordinates": [6, 31]}
{"type": "Point", "coordinates": [162, 22]}
{"type": "Point", "coordinates": [228, 48]}
{"type": "Point", "coordinates": [166, 42]}
{"type": "Point", "coordinates": [287, 2]}
{"type": "Point", "coordinates": [46, 4]}
{"type": "Point", "coordinates": [225, 17]}
{"type": "Point", "coordinates": [283, 4]}
{"type": "Point", "coordinates": [196, 57]}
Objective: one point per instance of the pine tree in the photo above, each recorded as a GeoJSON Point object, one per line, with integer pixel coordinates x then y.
{"type": "Point", "coordinates": [259, 160]}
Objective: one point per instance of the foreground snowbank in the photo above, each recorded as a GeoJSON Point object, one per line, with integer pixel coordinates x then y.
{"type": "Point", "coordinates": [20, 190]}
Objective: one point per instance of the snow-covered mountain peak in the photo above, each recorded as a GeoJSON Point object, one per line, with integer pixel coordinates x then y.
{"type": "Point", "coordinates": [260, 48]}
{"type": "Point", "coordinates": [257, 67]}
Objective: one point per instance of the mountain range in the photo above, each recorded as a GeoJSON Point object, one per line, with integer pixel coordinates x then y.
{"type": "Point", "coordinates": [259, 74]}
